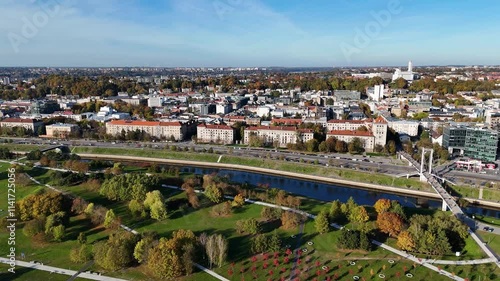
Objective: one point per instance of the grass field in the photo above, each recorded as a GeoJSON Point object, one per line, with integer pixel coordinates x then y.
{"type": "Point", "coordinates": [24, 147]}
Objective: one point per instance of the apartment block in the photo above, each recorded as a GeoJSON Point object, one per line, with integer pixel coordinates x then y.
{"type": "Point", "coordinates": [220, 134]}
{"type": "Point", "coordinates": [281, 135]}
{"type": "Point", "coordinates": [175, 130]}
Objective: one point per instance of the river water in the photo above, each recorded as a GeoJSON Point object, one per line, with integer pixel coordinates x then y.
{"type": "Point", "coordinates": [329, 192]}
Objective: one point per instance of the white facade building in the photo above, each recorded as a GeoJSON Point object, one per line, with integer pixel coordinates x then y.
{"type": "Point", "coordinates": [221, 134]}
{"type": "Point", "coordinates": [281, 135]}
{"type": "Point", "coordinates": [156, 129]}
{"type": "Point", "coordinates": [377, 128]}
{"type": "Point", "coordinates": [407, 75]}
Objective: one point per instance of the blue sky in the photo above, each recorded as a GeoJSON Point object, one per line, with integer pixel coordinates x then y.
{"type": "Point", "coordinates": [248, 32]}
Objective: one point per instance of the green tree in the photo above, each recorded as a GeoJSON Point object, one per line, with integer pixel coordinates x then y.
{"type": "Point", "coordinates": [214, 193]}
{"type": "Point", "coordinates": [80, 254]}
{"type": "Point", "coordinates": [358, 215]}
{"type": "Point", "coordinates": [312, 145]}
{"type": "Point", "coordinates": [259, 243]}
{"type": "Point", "coordinates": [33, 227]}
{"type": "Point", "coordinates": [110, 218]}
{"type": "Point", "coordinates": [89, 210]}
{"type": "Point", "coordinates": [82, 238]}
{"type": "Point", "coordinates": [136, 208]}
{"type": "Point", "coordinates": [141, 249]}
{"type": "Point", "coordinates": [274, 242]}
{"type": "Point", "coordinates": [321, 222]}
{"type": "Point", "coordinates": [116, 252]}
{"type": "Point", "coordinates": [158, 211]}
{"type": "Point", "coordinates": [58, 232]}
{"type": "Point", "coordinates": [356, 146]}
{"type": "Point", "coordinates": [336, 211]}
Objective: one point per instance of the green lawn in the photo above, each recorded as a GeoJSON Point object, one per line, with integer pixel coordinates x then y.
{"type": "Point", "coordinates": [466, 191]}
{"type": "Point", "coordinates": [492, 194]}
{"type": "Point", "coordinates": [24, 147]}
{"type": "Point", "coordinates": [493, 240]}
{"type": "Point", "coordinates": [144, 152]}
{"type": "Point", "coordinates": [488, 220]}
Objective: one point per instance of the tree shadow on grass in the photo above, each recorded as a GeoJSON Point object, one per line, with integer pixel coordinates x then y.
{"type": "Point", "coordinates": [19, 272]}
{"type": "Point", "coordinates": [269, 226]}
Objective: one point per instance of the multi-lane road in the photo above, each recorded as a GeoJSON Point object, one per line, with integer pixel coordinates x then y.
{"type": "Point", "coordinates": [357, 162]}
{"type": "Point", "coordinates": [383, 165]}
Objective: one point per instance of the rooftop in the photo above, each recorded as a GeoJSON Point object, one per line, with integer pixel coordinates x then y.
{"type": "Point", "coordinates": [351, 133]}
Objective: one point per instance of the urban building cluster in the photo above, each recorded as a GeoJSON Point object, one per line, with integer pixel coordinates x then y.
{"type": "Point", "coordinates": [464, 122]}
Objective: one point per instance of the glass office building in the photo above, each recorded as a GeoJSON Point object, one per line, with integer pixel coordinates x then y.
{"type": "Point", "coordinates": [454, 137]}
{"type": "Point", "coordinates": [476, 143]}
{"type": "Point", "coordinates": [481, 144]}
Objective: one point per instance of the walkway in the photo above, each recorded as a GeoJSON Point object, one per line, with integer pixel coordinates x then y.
{"type": "Point", "coordinates": [57, 270]}
{"type": "Point", "coordinates": [206, 270]}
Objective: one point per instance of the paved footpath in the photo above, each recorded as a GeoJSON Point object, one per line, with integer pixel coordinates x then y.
{"type": "Point", "coordinates": [63, 271]}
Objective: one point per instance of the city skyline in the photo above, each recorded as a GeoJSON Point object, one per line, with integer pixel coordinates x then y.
{"type": "Point", "coordinates": [246, 33]}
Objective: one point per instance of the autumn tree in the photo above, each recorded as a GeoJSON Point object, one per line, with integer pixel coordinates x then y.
{"type": "Point", "coordinates": [44, 204]}
{"type": "Point", "coordinates": [269, 213]}
{"type": "Point", "coordinates": [238, 201]}
{"type": "Point", "coordinates": [405, 241]}
{"type": "Point", "coordinates": [390, 223]}
{"type": "Point", "coordinates": [290, 220]}
{"type": "Point", "coordinates": [191, 196]}
{"type": "Point", "coordinates": [222, 210]}
{"type": "Point", "coordinates": [382, 205]}
{"type": "Point", "coordinates": [166, 260]}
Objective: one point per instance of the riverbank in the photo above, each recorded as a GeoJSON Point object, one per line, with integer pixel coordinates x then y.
{"type": "Point", "coordinates": [349, 183]}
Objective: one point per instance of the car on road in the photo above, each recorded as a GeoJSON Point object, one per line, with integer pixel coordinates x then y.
{"type": "Point", "coordinates": [489, 229]}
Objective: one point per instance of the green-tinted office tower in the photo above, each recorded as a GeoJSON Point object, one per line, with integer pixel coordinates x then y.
{"type": "Point", "coordinates": [481, 144]}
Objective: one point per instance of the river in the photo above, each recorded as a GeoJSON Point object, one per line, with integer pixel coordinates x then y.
{"type": "Point", "coordinates": [329, 192]}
